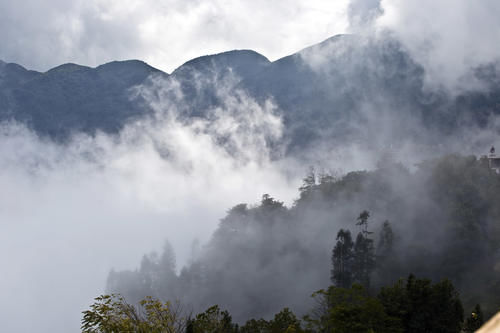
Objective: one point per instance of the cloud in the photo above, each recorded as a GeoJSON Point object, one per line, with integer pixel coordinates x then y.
{"type": "Point", "coordinates": [42, 34]}
{"type": "Point", "coordinates": [362, 14]}
{"type": "Point", "coordinates": [449, 38]}
{"type": "Point", "coordinates": [72, 212]}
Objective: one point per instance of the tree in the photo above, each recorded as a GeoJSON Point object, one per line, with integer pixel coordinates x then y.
{"type": "Point", "coordinates": [110, 313]}
{"type": "Point", "coordinates": [283, 322]}
{"type": "Point", "coordinates": [342, 260]}
{"type": "Point", "coordinates": [269, 203]}
{"type": "Point", "coordinates": [308, 183]}
{"type": "Point", "coordinates": [386, 260]}
{"type": "Point", "coordinates": [167, 276]}
{"type": "Point", "coordinates": [386, 241]}
{"type": "Point", "coordinates": [424, 307]}
{"type": "Point", "coordinates": [364, 252]}
{"type": "Point", "coordinates": [155, 277]}
{"type": "Point", "coordinates": [255, 326]}
{"type": "Point", "coordinates": [350, 310]}
{"type": "Point", "coordinates": [475, 320]}
{"type": "Point", "coordinates": [363, 223]}
{"type": "Point", "coordinates": [213, 320]}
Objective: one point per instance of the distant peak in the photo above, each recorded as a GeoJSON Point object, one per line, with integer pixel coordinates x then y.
{"type": "Point", "coordinates": [69, 67]}
{"type": "Point", "coordinates": [227, 54]}
{"type": "Point", "coordinates": [228, 58]}
{"type": "Point", "coordinates": [124, 63]}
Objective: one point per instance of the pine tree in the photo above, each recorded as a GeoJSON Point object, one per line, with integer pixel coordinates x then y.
{"type": "Point", "coordinates": [386, 241]}
{"type": "Point", "coordinates": [363, 223]}
{"type": "Point", "coordinates": [308, 183]}
{"type": "Point", "coordinates": [386, 261]}
{"type": "Point", "coordinates": [342, 260]}
{"type": "Point", "coordinates": [364, 252]}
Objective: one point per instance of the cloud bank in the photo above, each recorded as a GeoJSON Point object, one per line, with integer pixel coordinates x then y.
{"type": "Point", "coordinates": [449, 38]}
{"type": "Point", "coordinates": [72, 212]}
{"type": "Point", "coordinates": [42, 34]}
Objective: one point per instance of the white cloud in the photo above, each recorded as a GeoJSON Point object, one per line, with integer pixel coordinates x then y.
{"type": "Point", "coordinates": [72, 212]}
{"type": "Point", "coordinates": [41, 34]}
{"type": "Point", "coordinates": [448, 38]}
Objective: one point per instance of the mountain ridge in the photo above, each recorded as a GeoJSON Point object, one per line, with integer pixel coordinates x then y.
{"type": "Point", "coordinates": [326, 91]}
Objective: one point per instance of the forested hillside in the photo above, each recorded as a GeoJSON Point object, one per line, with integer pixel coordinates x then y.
{"type": "Point", "coordinates": [367, 228]}
{"type": "Point", "coordinates": [346, 89]}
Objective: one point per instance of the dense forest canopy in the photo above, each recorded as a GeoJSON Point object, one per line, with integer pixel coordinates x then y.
{"type": "Point", "coordinates": [438, 222]}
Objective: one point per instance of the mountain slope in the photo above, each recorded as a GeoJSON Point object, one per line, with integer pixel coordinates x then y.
{"type": "Point", "coordinates": [72, 98]}
{"type": "Point", "coordinates": [347, 88]}
{"type": "Point", "coordinates": [203, 79]}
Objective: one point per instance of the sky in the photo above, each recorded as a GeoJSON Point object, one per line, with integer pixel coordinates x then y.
{"type": "Point", "coordinates": [166, 33]}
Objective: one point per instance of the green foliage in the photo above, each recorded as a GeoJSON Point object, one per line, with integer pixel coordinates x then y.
{"type": "Point", "coordinates": [413, 306]}
{"type": "Point", "coordinates": [283, 322]}
{"type": "Point", "coordinates": [424, 307]}
{"type": "Point", "coordinates": [364, 252]}
{"type": "Point", "coordinates": [353, 262]}
{"type": "Point", "coordinates": [445, 218]}
{"type": "Point", "coordinates": [350, 310]}
{"type": "Point", "coordinates": [255, 326]}
{"type": "Point", "coordinates": [110, 313]}
{"type": "Point", "coordinates": [213, 320]}
{"type": "Point", "coordinates": [386, 241]}
{"type": "Point", "coordinates": [342, 260]}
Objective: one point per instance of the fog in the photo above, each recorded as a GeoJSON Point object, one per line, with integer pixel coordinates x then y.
{"type": "Point", "coordinates": [73, 211]}
{"type": "Point", "coordinates": [449, 38]}
{"type": "Point", "coordinates": [165, 34]}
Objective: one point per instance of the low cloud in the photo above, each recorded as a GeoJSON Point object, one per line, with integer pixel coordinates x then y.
{"type": "Point", "coordinates": [449, 38]}
{"type": "Point", "coordinates": [40, 34]}
{"type": "Point", "coordinates": [72, 212]}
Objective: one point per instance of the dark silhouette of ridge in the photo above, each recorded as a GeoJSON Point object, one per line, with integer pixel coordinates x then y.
{"type": "Point", "coordinates": [329, 90]}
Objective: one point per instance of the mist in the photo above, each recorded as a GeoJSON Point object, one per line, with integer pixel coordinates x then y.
{"type": "Point", "coordinates": [265, 255]}
{"type": "Point", "coordinates": [73, 211]}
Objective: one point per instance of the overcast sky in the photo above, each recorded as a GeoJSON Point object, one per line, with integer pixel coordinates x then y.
{"type": "Point", "coordinates": [165, 33]}
{"type": "Point", "coordinates": [447, 37]}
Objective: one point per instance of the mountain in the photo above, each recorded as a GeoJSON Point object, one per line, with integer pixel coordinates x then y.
{"type": "Point", "coordinates": [349, 88]}
{"type": "Point", "coordinates": [334, 87]}
{"type": "Point", "coordinates": [72, 98]}
{"type": "Point", "coordinates": [203, 79]}
{"type": "Point", "coordinates": [346, 88]}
